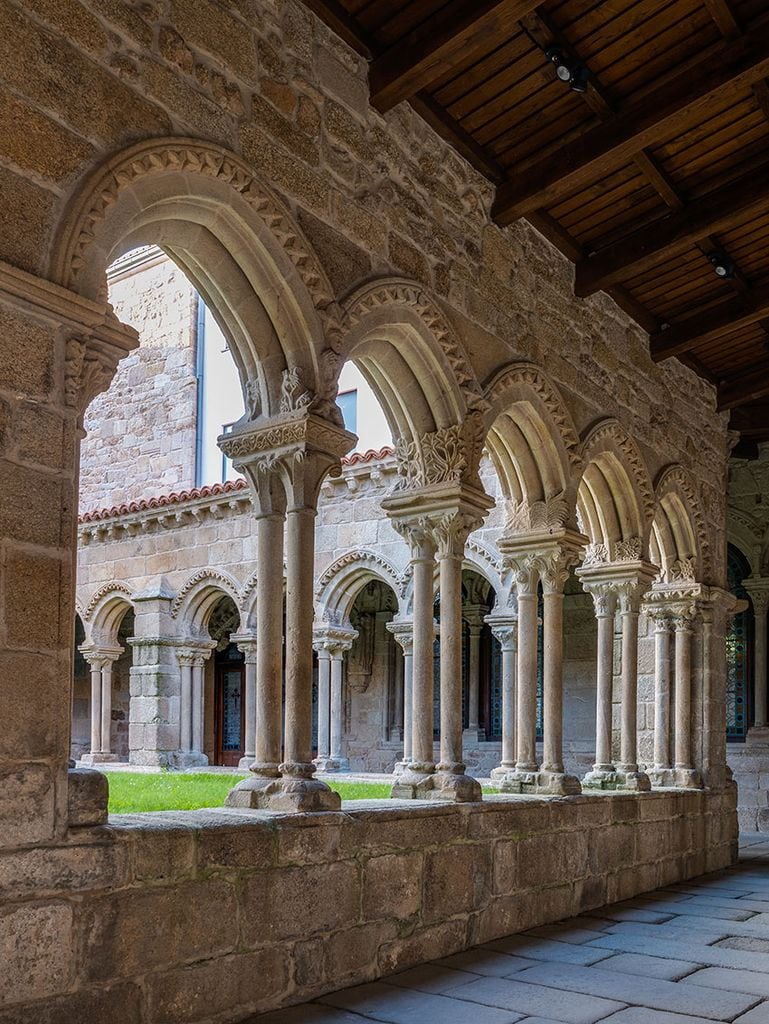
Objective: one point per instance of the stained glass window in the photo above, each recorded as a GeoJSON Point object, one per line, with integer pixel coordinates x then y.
{"type": "Point", "coordinates": [739, 647]}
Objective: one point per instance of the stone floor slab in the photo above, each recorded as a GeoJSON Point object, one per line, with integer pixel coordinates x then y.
{"type": "Point", "coordinates": [546, 949]}
{"type": "Point", "coordinates": [655, 993]}
{"type": "Point", "coordinates": [642, 1015]}
{"type": "Point", "coordinates": [431, 978]}
{"type": "Point", "coordinates": [758, 1015]}
{"type": "Point", "coordinates": [570, 1007]}
{"type": "Point", "coordinates": [406, 1006]}
{"type": "Point", "coordinates": [649, 966]}
{"type": "Point", "coordinates": [735, 980]}
{"type": "Point", "coordinates": [310, 1013]}
{"type": "Point", "coordinates": [699, 953]}
{"type": "Point", "coordinates": [486, 962]}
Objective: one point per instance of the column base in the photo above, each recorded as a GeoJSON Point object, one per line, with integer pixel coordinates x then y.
{"type": "Point", "coordinates": [502, 771]}
{"type": "Point", "coordinates": [285, 793]}
{"type": "Point", "coordinates": [98, 757]}
{"type": "Point", "coordinates": [331, 764]}
{"type": "Point", "coordinates": [193, 759]}
{"type": "Point", "coordinates": [472, 735]}
{"type": "Point", "coordinates": [634, 780]}
{"type": "Point", "coordinates": [246, 761]}
{"type": "Point", "coordinates": [396, 735]}
{"type": "Point", "coordinates": [758, 735]}
{"type": "Point", "coordinates": [603, 777]}
{"type": "Point", "coordinates": [413, 782]}
{"type": "Point", "coordinates": [544, 783]}
{"type": "Point", "coordinates": [401, 766]}
{"type": "Point", "coordinates": [455, 787]}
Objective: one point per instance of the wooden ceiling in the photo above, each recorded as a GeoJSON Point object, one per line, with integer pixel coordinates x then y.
{"type": "Point", "coordinates": [660, 162]}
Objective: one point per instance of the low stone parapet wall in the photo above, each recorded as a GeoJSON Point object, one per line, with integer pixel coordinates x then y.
{"type": "Point", "coordinates": [211, 916]}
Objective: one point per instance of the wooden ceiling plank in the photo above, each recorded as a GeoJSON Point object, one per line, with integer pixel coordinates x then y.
{"type": "Point", "coordinates": [644, 124]}
{"type": "Point", "coordinates": [430, 50]}
{"type": "Point", "coordinates": [714, 213]}
{"type": "Point", "coordinates": [723, 16]}
{"type": "Point", "coordinates": [746, 387]}
{"type": "Point", "coordinates": [713, 323]}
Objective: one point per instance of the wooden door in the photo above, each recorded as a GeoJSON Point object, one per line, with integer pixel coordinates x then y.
{"type": "Point", "coordinates": [230, 712]}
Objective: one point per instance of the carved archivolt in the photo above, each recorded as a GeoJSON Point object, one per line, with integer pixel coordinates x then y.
{"type": "Point", "coordinates": [363, 559]}
{"type": "Point", "coordinates": [220, 580]}
{"type": "Point", "coordinates": [440, 456]}
{"type": "Point", "coordinates": [524, 517]}
{"type": "Point", "coordinates": [676, 479]}
{"type": "Point", "coordinates": [396, 292]}
{"type": "Point", "coordinates": [186, 157]}
{"type": "Point", "coordinates": [116, 588]}
{"type": "Point", "coordinates": [613, 432]}
{"type": "Point", "coordinates": [532, 377]}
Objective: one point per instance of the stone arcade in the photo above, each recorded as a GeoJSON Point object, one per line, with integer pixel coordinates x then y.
{"type": "Point", "coordinates": [560, 486]}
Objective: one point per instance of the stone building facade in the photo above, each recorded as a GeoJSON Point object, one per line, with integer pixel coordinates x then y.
{"type": "Point", "coordinates": [239, 138]}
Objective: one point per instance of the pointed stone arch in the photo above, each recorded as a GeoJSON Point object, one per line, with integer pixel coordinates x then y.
{"type": "Point", "coordinates": [680, 544]}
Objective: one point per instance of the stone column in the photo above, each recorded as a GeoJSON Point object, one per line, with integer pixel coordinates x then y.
{"type": "Point", "coordinates": [603, 774]}
{"type": "Point", "coordinates": [759, 594]}
{"type": "Point", "coordinates": [526, 764]}
{"type": "Point", "coordinates": [660, 774]}
{"type": "Point", "coordinates": [324, 705]}
{"type": "Point", "coordinates": [684, 771]}
{"type": "Point", "coordinates": [554, 573]}
{"type": "Point", "coordinates": [505, 631]}
{"type": "Point", "coordinates": [451, 533]}
{"type": "Point", "coordinates": [404, 635]}
{"type": "Point", "coordinates": [100, 660]}
{"type": "Point", "coordinates": [339, 761]}
{"type": "Point", "coordinates": [630, 593]}
{"type": "Point", "coordinates": [247, 645]}
{"type": "Point", "coordinates": [186, 659]}
{"type": "Point", "coordinates": [395, 730]}
{"type": "Point", "coordinates": [198, 703]}
{"type": "Point", "coordinates": [286, 458]}
{"type": "Point", "coordinates": [415, 781]}
{"type": "Point", "coordinates": [474, 618]}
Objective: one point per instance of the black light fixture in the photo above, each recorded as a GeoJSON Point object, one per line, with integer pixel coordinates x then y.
{"type": "Point", "coordinates": [568, 69]}
{"type": "Point", "coordinates": [722, 264]}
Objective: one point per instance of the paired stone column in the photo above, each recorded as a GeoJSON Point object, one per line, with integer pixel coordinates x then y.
{"type": "Point", "coordinates": [436, 520]}
{"type": "Point", "coordinates": [548, 559]}
{"type": "Point", "coordinates": [603, 774]}
{"type": "Point", "coordinates": [759, 594]}
{"type": "Point", "coordinates": [660, 773]}
{"type": "Point", "coordinates": [192, 659]}
{"type": "Point", "coordinates": [474, 618]}
{"type": "Point", "coordinates": [505, 631]}
{"type": "Point", "coordinates": [685, 773]}
{"type": "Point", "coordinates": [403, 633]}
{"type": "Point", "coordinates": [630, 591]}
{"type": "Point", "coordinates": [247, 645]}
{"type": "Point", "coordinates": [285, 459]}
{"type": "Point", "coordinates": [331, 645]}
{"type": "Point", "coordinates": [101, 660]}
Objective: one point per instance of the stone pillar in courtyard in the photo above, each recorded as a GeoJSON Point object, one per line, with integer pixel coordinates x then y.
{"type": "Point", "coordinates": [474, 616]}
{"type": "Point", "coordinates": [505, 632]}
{"type": "Point", "coordinates": [403, 632]}
{"type": "Point", "coordinates": [100, 661]}
{"type": "Point", "coordinates": [603, 774]}
{"type": "Point", "coordinates": [192, 658]}
{"type": "Point", "coordinates": [758, 588]}
{"type": "Point", "coordinates": [331, 644]}
{"type": "Point", "coordinates": [435, 505]}
{"type": "Point", "coordinates": [631, 588]}
{"type": "Point", "coordinates": [546, 557]}
{"type": "Point", "coordinates": [285, 458]}
{"type": "Point", "coordinates": [246, 643]}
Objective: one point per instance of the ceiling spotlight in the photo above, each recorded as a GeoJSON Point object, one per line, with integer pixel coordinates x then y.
{"type": "Point", "coordinates": [723, 266]}
{"type": "Point", "coordinates": [568, 69]}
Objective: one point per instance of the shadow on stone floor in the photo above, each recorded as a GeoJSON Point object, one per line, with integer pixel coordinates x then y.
{"type": "Point", "coordinates": [693, 953]}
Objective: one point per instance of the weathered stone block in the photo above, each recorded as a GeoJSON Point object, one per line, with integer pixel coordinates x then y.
{"type": "Point", "coordinates": [505, 867]}
{"type": "Point", "coordinates": [118, 1004]}
{"type": "Point", "coordinates": [426, 944]}
{"type": "Point", "coordinates": [560, 855]}
{"type": "Point", "coordinates": [456, 881]}
{"type": "Point", "coordinates": [239, 846]}
{"type": "Point", "coordinates": [35, 951]}
{"type": "Point", "coordinates": [392, 886]}
{"type": "Point", "coordinates": [87, 797]}
{"type": "Point", "coordinates": [26, 805]}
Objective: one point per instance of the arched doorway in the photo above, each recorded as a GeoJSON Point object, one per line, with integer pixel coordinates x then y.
{"type": "Point", "coordinates": [226, 690]}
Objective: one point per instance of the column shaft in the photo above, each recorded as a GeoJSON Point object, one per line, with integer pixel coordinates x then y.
{"type": "Point", "coordinates": [603, 698]}
{"type": "Point", "coordinates": [760, 670]}
{"type": "Point", "coordinates": [422, 675]}
{"type": "Point", "coordinates": [662, 694]}
{"type": "Point", "coordinates": [95, 707]}
{"type": "Point", "coordinates": [198, 705]}
{"type": "Point", "coordinates": [629, 738]}
{"type": "Point", "coordinates": [106, 708]}
{"type": "Point", "coordinates": [552, 760]}
{"type": "Point", "coordinates": [185, 708]}
{"type": "Point", "coordinates": [337, 706]}
{"type": "Point", "coordinates": [508, 706]}
{"type": "Point", "coordinates": [300, 551]}
{"type": "Point", "coordinates": [527, 683]}
{"type": "Point", "coordinates": [683, 738]}
{"type": "Point", "coordinates": [451, 662]}
{"type": "Point", "coordinates": [269, 645]}
{"type": "Point", "coordinates": [249, 741]}
{"type": "Point", "coordinates": [474, 679]}
{"type": "Point", "coordinates": [324, 710]}
{"type": "Point", "coordinates": [408, 703]}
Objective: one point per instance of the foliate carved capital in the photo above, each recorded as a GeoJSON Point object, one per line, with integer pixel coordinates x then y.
{"type": "Point", "coordinates": [98, 656]}
{"type": "Point", "coordinates": [88, 370]}
{"type": "Point", "coordinates": [555, 568]}
{"type": "Point", "coordinates": [604, 598]}
{"type": "Point", "coordinates": [759, 594]}
{"type": "Point", "coordinates": [246, 644]}
{"type": "Point", "coordinates": [448, 455]}
{"type": "Point", "coordinates": [403, 634]}
{"type": "Point", "coordinates": [334, 641]}
{"type": "Point", "coordinates": [504, 630]}
{"type": "Point", "coordinates": [548, 516]}
{"type": "Point", "coordinates": [450, 531]}
{"type": "Point", "coordinates": [195, 653]}
{"type": "Point", "coordinates": [524, 569]}
{"type": "Point", "coordinates": [630, 594]}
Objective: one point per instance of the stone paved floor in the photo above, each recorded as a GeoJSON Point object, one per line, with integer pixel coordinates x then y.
{"type": "Point", "coordinates": [695, 953]}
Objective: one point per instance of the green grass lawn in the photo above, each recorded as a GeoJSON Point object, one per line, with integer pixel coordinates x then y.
{"type": "Point", "coordinates": [176, 791]}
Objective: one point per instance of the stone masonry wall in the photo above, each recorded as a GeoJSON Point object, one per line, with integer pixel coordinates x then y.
{"type": "Point", "coordinates": [186, 917]}
{"type": "Point", "coordinates": [141, 432]}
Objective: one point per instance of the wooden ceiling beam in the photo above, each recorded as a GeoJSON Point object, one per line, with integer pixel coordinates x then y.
{"type": "Point", "coordinates": [723, 16]}
{"type": "Point", "coordinates": [751, 419]}
{"type": "Point", "coordinates": [674, 233]}
{"type": "Point", "coordinates": [715, 322]}
{"type": "Point", "coordinates": [746, 387]}
{"type": "Point", "coordinates": [435, 46]}
{"type": "Point", "coordinates": [669, 108]}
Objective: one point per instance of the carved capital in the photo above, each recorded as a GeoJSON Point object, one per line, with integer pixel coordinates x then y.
{"type": "Point", "coordinates": [333, 640]}
{"type": "Point", "coordinates": [504, 630]}
{"type": "Point", "coordinates": [89, 367]}
{"type": "Point", "coordinates": [403, 634]}
{"type": "Point", "coordinates": [548, 516]}
{"type": "Point", "coordinates": [448, 455]}
{"type": "Point", "coordinates": [604, 598]}
{"type": "Point", "coordinates": [759, 594]}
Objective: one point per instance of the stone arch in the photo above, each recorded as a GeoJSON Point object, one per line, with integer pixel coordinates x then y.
{"type": "Point", "coordinates": [197, 598]}
{"type": "Point", "coordinates": [534, 445]}
{"type": "Point", "coordinates": [679, 540]}
{"type": "Point", "coordinates": [104, 613]}
{"type": "Point", "coordinates": [408, 352]}
{"type": "Point", "coordinates": [615, 497]}
{"type": "Point", "coordinates": [343, 580]}
{"type": "Point", "coordinates": [485, 562]}
{"type": "Point", "coordinates": [746, 535]}
{"type": "Point", "coordinates": [236, 241]}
